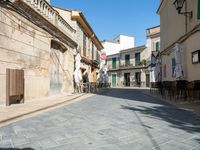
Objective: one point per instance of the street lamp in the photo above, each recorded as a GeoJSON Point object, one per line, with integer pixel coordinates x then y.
{"type": "Point", "coordinates": [179, 5]}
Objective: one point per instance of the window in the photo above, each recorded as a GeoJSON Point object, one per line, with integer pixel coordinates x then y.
{"type": "Point", "coordinates": [157, 46]}
{"type": "Point", "coordinates": [127, 60]}
{"type": "Point", "coordinates": [137, 59]}
{"type": "Point", "coordinates": [84, 44]}
{"type": "Point", "coordinates": [114, 63]}
{"type": "Point", "coordinates": [97, 56]}
{"type": "Point", "coordinates": [196, 57]}
{"type": "Point", "coordinates": [89, 43]}
{"type": "Point", "coordinates": [173, 65]}
{"type": "Point", "coordinates": [138, 78]}
{"type": "Point", "coordinates": [92, 51]}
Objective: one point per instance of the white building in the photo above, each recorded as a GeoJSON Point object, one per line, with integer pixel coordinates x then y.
{"type": "Point", "coordinates": [112, 47]}
{"type": "Point", "coordinates": [119, 43]}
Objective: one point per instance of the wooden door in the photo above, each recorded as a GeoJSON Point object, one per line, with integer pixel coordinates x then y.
{"type": "Point", "coordinates": [14, 86]}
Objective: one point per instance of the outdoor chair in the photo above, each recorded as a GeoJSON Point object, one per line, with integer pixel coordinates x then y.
{"type": "Point", "coordinates": [167, 89]}
{"type": "Point", "coordinates": [194, 89]}
{"type": "Point", "coordinates": [86, 87]}
{"type": "Point", "coordinates": [180, 89]}
{"type": "Point", "coordinates": [93, 87]}
{"type": "Point", "coordinates": [154, 87]}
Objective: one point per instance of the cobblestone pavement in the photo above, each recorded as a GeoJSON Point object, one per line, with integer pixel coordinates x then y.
{"type": "Point", "coordinates": [119, 119]}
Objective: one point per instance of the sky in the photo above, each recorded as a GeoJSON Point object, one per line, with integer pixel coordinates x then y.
{"type": "Point", "coordinates": [110, 18]}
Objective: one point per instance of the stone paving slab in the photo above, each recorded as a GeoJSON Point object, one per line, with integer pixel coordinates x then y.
{"type": "Point", "coordinates": [118, 119]}
{"type": "Point", "coordinates": [16, 111]}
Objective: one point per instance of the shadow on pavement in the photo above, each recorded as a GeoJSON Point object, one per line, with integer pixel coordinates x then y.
{"type": "Point", "coordinates": [174, 116]}
{"type": "Point", "coordinates": [178, 118]}
{"type": "Point", "coordinates": [132, 94]}
{"type": "Point", "coordinates": [16, 148]}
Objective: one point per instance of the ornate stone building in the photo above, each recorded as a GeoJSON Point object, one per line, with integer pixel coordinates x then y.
{"type": "Point", "coordinates": [89, 45]}
{"type": "Point", "coordinates": [37, 49]}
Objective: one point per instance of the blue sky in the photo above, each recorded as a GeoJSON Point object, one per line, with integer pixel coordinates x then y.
{"type": "Point", "coordinates": [109, 18]}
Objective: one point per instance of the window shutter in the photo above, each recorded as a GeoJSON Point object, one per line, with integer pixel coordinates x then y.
{"type": "Point", "coordinates": [173, 65]}
{"type": "Point", "coordinates": [157, 46]}
{"type": "Point", "coordinates": [113, 63]}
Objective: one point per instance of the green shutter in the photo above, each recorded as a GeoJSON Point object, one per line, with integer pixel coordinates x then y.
{"type": "Point", "coordinates": [157, 46]}
{"type": "Point", "coordinates": [113, 63]}
{"type": "Point", "coordinates": [114, 80]}
{"type": "Point", "coordinates": [198, 10]}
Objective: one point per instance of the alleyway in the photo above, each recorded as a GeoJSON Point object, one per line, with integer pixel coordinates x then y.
{"type": "Point", "coordinates": [119, 119]}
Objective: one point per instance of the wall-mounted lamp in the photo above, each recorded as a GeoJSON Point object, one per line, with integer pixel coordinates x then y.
{"type": "Point", "coordinates": [179, 5]}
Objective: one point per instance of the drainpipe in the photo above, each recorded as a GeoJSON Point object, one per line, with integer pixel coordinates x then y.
{"type": "Point", "coordinates": [186, 20]}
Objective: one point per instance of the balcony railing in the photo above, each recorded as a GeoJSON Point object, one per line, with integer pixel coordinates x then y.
{"type": "Point", "coordinates": [110, 67]}
{"type": "Point", "coordinates": [44, 9]}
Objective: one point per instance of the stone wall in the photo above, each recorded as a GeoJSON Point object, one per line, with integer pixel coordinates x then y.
{"type": "Point", "coordinates": [25, 46]}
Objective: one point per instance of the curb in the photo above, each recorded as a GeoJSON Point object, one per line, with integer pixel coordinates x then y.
{"type": "Point", "coordinates": [38, 110]}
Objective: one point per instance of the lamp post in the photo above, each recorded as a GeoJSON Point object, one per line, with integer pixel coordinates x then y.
{"type": "Point", "coordinates": [179, 5]}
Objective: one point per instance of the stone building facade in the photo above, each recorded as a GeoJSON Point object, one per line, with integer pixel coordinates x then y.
{"type": "Point", "coordinates": [128, 67]}
{"type": "Point", "coordinates": [182, 29]}
{"type": "Point", "coordinates": [37, 39]}
{"type": "Point", "coordinates": [153, 52]}
{"type": "Point", "coordinates": [89, 45]}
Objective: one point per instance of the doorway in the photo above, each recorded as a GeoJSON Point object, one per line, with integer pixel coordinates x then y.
{"type": "Point", "coordinates": [147, 80]}
{"type": "Point", "coordinates": [56, 71]}
{"type": "Point", "coordinates": [138, 78]}
{"type": "Point", "coordinates": [127, 79]}
{"type": "Point", "coordinates": [114, 80]}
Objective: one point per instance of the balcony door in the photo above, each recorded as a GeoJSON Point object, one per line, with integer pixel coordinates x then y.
{"type": "Point", "coordinates": [114, 60]}
{"type": "Point", "coordinates": [127, 79]}
{"type": "Point", "coordinates": [137, 59]}
{"type": "Point", "coordinates": [138, 78]}
{"type": "Point", "coordinates": [114, 80]}
{"type": "Point", "coordinates": [127, 60]}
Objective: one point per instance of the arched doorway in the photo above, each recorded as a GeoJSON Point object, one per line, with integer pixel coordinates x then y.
{"type": "Point", "coordinates": [56, 67]}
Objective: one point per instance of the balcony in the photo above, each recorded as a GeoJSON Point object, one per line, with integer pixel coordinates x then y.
{"type": "Point", "coordinates": [110, 68]}
{"type": "Point", "coordinates": [51, 15]}
{"type": "Point", "coordinates": [131, 66]}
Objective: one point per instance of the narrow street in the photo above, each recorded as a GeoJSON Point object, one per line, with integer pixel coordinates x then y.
{"type": "Point", "coordinates": [119, 119]}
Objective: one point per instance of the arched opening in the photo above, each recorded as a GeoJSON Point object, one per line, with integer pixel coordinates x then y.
{"type": "Point", "coordinates": [56, 67]}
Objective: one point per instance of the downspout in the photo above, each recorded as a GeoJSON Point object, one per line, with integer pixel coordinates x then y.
{"type": "Point", "coordinates": [186, 21]}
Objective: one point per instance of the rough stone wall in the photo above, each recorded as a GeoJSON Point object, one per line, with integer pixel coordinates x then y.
{"type": "Point", "coordinates": [25, 46]}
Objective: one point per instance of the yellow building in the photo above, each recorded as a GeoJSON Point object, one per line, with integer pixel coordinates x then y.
{"type": "Point", "coordinates": [128, 67]}
{"type": "Point", "coordinates": [177, 26]}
